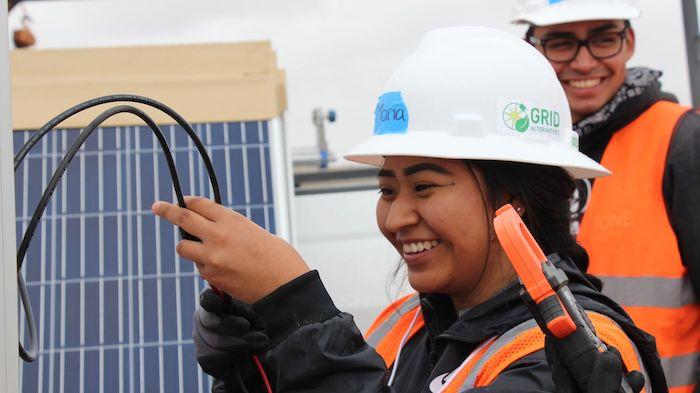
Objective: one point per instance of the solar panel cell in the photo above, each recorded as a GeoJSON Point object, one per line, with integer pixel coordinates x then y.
{"type": "Point", "coordinates": [113, 301]}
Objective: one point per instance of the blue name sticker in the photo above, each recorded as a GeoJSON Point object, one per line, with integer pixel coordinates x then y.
{"type": "Point", "coordinates": [554, 1]}
{"type": "Point", "coordinates": [391, 114]}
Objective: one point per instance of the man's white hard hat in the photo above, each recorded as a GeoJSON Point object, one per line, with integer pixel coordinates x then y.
{"type": "Point", "coordinates": [480, 94]}
{"type": "Point", "coordinates": [553, 12]}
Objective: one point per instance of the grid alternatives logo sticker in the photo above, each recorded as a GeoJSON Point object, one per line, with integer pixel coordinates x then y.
{"type": "Point", "coordinates": [528, 117]}
{"type": "Point", "coordinates": [515, 117]}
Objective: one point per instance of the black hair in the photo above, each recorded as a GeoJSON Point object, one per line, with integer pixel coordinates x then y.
{"type": "Point", "coordinates": [529, 33]}
{"type": "Point", "coordinates": [545, 194]}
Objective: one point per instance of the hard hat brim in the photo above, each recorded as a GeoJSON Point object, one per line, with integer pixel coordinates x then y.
{"type": "Point", "coordinates": [494, 148]}
{"type": "Point", "coordinates": [577, 12]}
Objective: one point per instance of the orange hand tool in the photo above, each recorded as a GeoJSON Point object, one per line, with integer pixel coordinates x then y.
{"type": "Point", "coordinates": [546, 292]}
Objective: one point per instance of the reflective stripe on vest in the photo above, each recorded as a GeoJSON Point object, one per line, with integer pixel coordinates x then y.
{"type": "Point", "coordinates": [475, 372]}
{"type": "Point", "coordinates": [633, 248]}
{"type": "Point", "coordinates": [388, 329]}
{"type": "Point", "coordinates": [494, 356]}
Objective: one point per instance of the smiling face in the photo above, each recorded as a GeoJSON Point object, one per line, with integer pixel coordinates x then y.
{"type": "Point", "coordinates": [432, 211]}
{"type": "Point", "coordinates": [589, 83]}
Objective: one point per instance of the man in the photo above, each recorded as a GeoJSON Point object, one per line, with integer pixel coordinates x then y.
{"type": "Point", "coordinates": [641, 226]}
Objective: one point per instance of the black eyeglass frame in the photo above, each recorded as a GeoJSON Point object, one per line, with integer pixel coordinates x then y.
{"type": "Point", "coordinates": [581, 43]}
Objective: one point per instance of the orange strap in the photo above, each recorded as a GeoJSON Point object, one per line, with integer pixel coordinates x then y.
{"type": "Point", "coordinates": [682, 389]}
{"type": "Point", "coordinates": [456, 384]}
{"type": "Point", "coordinates": [524, 344]}
{"type": "Point", "coordinates": [389, 346]}
{"type": "Point", "coordinates": [532, 340]}
{"type": "Point", "coordinates": [386, 313]}
{"type": "Point", "coordinates": [613, 336]}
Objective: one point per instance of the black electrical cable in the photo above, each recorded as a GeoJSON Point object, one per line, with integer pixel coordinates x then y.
{"type": "Point", "coordinates": [41, 132]}
{"type": "Point", "coordinates": [53, 183]}
{"type": "Point", "coordinates": [51, 187]}
{"type": "Point", "coordinates": [27, 304]}
{"type": "Point", "coordinates": [34, 139]}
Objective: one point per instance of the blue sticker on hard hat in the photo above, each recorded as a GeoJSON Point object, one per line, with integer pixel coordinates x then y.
{"type": "Point", "coordinates": [391, 114]}
{"type": "Point", "coordinates": [554, 1]}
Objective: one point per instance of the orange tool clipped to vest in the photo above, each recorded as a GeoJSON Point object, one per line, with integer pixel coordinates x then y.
{"type": "Point", "coordinates": [545, 291]}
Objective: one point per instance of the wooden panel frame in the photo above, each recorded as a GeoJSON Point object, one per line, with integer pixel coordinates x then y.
{"type": "Point", "coordinates": [203, 82]}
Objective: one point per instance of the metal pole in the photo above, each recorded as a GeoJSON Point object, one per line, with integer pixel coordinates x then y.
{"type": "Point", "coordinates": [9, 359]}
{"type": "Point", "coordinates": [691, 14]}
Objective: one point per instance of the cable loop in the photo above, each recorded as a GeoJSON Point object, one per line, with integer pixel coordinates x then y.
{"type": "Point", "coordinates": [30, 354]}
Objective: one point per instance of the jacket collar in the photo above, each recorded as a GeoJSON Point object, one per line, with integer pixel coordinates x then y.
{"type": "Point", "coordinates": [640, 91]}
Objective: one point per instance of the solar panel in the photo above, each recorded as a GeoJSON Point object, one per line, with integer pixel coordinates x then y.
{"type": "Point", "coordinates": [112, 299]}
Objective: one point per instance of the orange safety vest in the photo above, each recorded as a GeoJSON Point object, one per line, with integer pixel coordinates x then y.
{"type": "Point", "coordinates": [633, 248]}
{"type": "Point", "coordinates": [495, 355]}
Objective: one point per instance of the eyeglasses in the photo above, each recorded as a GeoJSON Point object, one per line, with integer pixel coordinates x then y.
{"type": "Point", "coordinates": [565, 49]}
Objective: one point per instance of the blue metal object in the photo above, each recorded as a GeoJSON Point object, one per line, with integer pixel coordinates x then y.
{"type": "Point", "coordinates": [324, 159]}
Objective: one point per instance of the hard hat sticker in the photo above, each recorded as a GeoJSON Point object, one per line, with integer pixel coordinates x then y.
{"type": "Point", "coordinates": [391, 114]}
{"type": "Point", "coordinates": [525, 117]}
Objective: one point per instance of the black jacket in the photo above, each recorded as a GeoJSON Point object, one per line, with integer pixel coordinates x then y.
{"type": "Point", "coordinates": [317, 348]}
{"type": "Point", "coordinates": [681, 181]}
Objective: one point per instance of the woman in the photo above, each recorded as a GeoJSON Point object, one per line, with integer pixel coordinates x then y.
{"type": "Point", "coordinates": [472, 120]}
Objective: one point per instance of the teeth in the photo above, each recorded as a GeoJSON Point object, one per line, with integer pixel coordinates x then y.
{"type": "Point", "coordinates": [416, 247]}
{"type": "Point", "coordinates": [585, 83]}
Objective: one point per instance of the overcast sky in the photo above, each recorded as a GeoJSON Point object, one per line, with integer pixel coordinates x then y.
{"type": "Point", "coordinates": [337, 53]}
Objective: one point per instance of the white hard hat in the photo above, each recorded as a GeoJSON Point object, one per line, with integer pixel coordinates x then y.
{"type": "Point", "coordinates": [553, 12]}
{"type": "Point", "coordinates": [476, 93]}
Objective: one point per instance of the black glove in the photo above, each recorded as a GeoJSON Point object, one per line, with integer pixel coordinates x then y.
{"type": "Point", "coordinates": [226, 333]}
{"type": "Point", "coordinates": [606, 373]}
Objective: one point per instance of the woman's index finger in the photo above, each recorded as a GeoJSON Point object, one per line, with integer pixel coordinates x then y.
{"type": "Point", "coordinates": [189, 220]}
{"type": "Point", "coordinates": [207, 208]}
